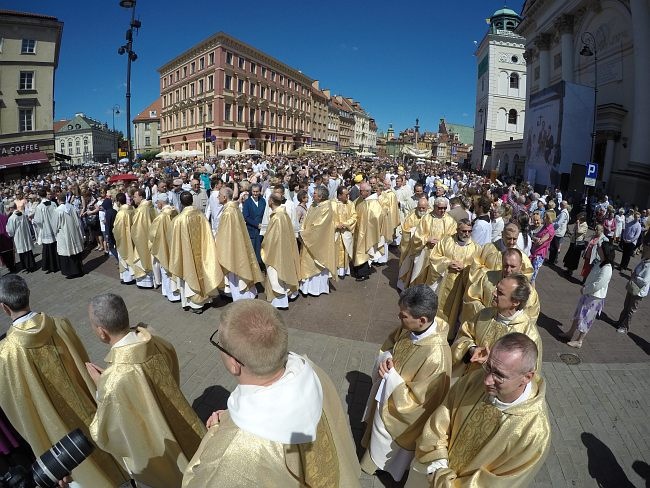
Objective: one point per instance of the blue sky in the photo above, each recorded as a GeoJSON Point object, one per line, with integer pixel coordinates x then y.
{"type": "Point", "coordinates": [400, 61]}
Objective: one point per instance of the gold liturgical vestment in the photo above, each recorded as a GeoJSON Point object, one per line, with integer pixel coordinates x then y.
{"type": "Point", "coordinates": [491, 258]}
{"type": "Point", "coordinates": [425, 367]}
{"type": "Point", "coordinates": [484, 330]}
{"type": "Point", "coordinates": [236, 458]}
{"type": "Point", "coordinates": [388, 201]}
{"type": "Point", "coordinates": [317, 234]}
{"type": "Point", "coordinates": [140, 222]}
{"type": "Point", "coordinates": [160, 235]}
{"type": "Point", "coordinates": [407, 249]}
{"type": "Point", "coordinates": [142, 415]}
{"type": "Point", "coordinates": [479, 296]}
{"type": "Point", "coordinates": [280, 256]}
{"type": "Point", "coordinates": [346, 215]}
{"type": "Point", "coordinates": [452, 284]}
{"type": "Point", "coordinates": [122, 233]}
{"type": "Point", "coordinates": [194, 254]}
{"type": "Point", "coordinates": [429, 227]}
{"type": "Point", "coordinates": [485, 447]}
{"type": "Point", "coordinates": [367, 233]}
{"type": "Point", "coordinates": [46, 392]}
{"type": "Point", "coordinates": [234, 248]}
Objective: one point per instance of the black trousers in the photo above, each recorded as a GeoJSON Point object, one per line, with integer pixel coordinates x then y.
{"type": "Point", "coordinates": [554, 249]}
{"type": "Point", "coordinates": [362, 270]}
{"type": "Point", "coordinates": [628, 251]}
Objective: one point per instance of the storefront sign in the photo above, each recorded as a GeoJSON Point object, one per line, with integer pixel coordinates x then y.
{"type": "Point", "coordinates": [22, 148]}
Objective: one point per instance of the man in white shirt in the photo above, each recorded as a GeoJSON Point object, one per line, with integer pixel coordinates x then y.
{"type": "Point", "coordinates": [637, 290]}
{"type": "Point", "coordinates": [560, 224]}
{"type": "Point", "coordinates": [482, 228]}
{"type": "Point", "coordinates": [214, 207]}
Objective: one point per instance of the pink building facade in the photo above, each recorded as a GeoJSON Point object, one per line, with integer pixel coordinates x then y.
{"type": "Point", "coordinates": [246, 99]}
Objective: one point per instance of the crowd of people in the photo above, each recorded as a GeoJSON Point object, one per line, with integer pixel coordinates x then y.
{"type": "Point", "coordinates": [458, 381]}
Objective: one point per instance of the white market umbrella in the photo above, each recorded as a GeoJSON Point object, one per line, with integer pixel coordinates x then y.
{"type": "Point", "coordinates": [194, 153]}
{"type": "Point", "coordinates": [176, 154]}
{"type": "Point", "coordinates": [163, 154]}
{"type": "Point", "coordinates": [252, 152]}
{"type": "Point", "coordinates": [123, 160]}
{"type": "Point", "coordinates": [228, 152]}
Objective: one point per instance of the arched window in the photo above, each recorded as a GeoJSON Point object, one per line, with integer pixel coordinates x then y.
{"type": "Point", "coordinates": [512, 116]}
{"type": "Point", "coordinates": [514, 80]}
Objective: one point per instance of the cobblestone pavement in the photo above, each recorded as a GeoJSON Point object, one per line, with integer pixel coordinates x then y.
{"type": "Point", "coordinates": [599, 407]}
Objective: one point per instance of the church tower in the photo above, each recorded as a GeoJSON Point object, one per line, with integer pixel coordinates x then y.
{"type": "Point", "coordinates": [500, 88]}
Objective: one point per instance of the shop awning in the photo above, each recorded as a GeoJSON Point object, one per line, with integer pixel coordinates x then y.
{"type": "Point", "coordinates": [23, 159]}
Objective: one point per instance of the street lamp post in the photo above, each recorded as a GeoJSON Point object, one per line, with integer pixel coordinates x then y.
{"type": "Point", "coordinates": [131, 56]}
{"type": "Point", "coordinates": [589, 48]}
{"type": "Point", "coordinates": [116, 110]}
{"type": "Point", "coordinates": [484, 117]}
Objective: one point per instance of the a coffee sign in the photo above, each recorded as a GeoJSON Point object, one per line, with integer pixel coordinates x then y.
{"type": "Point", "coordinates": [22, 148]}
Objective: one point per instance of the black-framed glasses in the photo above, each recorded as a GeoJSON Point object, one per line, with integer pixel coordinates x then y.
{"type": "Point", "coordinates": [221, 348]}
{"type": "Point", "coordinates": [441, 208]}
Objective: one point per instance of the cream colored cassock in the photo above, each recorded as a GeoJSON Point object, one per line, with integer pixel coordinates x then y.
{"type": "Point", "coordinates": [429, 227]}
{"type": "Point", "coordinates": [346, 216]}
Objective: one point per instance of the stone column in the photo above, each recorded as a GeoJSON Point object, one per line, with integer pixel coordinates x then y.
{"type": "Point", "coordinates": [543, 44]}
{"type": "Point", "coordinates": [612, 136]}
{"type": "Point", "coordinates": [565, 28]}
{"type": "Point", "coordinates": [640, 142]}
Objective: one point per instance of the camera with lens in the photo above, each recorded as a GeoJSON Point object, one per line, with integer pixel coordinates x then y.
{"type": "Point", "coordinates": [54, 465]}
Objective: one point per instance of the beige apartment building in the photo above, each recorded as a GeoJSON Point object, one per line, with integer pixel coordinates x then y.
{"type": "Point", "coordinates": [146, 129]}
{"type": "Point", "coordinates": [29, 55]}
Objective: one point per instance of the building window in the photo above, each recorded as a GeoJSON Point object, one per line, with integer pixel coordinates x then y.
{"type": "Point", "coordinates": [557, 61]}
{"type": "Point", "coordinates": [192, 67]}
{"type": "Point", "coordinates": [240, 86]}
{"type": "Point", "coordinates": [282, 79]}
{"type": "Point", "coordinates": [240, 114]}
{"type": "Point", "coordinates": [251, 115]}
{"type": "Point", "coordinates": [263, 92]}
{"type": "Point", "coordinates": [512, 117]}
{"type": "Point", "coordinates": [62, 149]}
{"type": "Point", "coordinates": [227, 112]}
{"type": "Point", "coordinates": [251, 89]}
{"type": "Point", "coordinates": [184, 71]}
{"type": "Point", "coordinates": [70, 145]}
{"type": "Point", "coordinates": [242, 63]}
{"type": "Point", "coordinates": [201, 63]}
{"type": "Point", "coordinates": [514, 80]}
{"type": "Point", "coordinates": [147, 126]}
{"type": "Point", "coordinates": [209, 112]}
{"type": "Point", "coordinates": [229, 58]}
{"type": "Point", "coordinates": [200, 86]}
{"type": "Point", "coordinates": [184, 92]}
{"type": "Point", "coordinates": [26, 80]}
{"type": "Point", "coordinates": [28, 46]}
{"type": "Point", "coordinates": [263, 68]}
{"type": "Point", "coordinates": [210, 83]}
{"type": "Point", "coordinates": [253, 68]}
{"type": "Point", "coordinates": [211, 59]}
{"type": "Point", "coordinates": [26, 119]}
{"type": "Point", "coordinates": [272, 75]}
{"type": "Point", "coordinates": [77, 150]}
{"type": "Point", "coordinates": [85, 142]}
{"type": "Point", "coordinates": [228, 82]}
{"type": "Point", "coordinates": [191, 89]}
{"type": "Point", "coordinates": [147, 141]}
{"type": "Point", "coordinates": [289, 84]}
{"type": "Point", "coordinates": [262, 116]}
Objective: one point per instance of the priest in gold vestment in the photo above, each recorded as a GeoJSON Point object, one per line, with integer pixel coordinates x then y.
{"type": "Point", "coordinates": [407, 248]}
{"type": "Point", "coordinates": [141, 220]}
{"type": "Point", "coordinates": [430, 230]}
{"type": "Point", "coordinates": [123, 241]}
{"type": "Point", "coordinates": [490, 257]}
{"type": "Point", "coordinates": [367, 233]}
{"type": "Point", "coordinates": [318, 253]}
{"type": "Point", "coordinates": [46, 390]}
{"type": "Point", "coordinates": [160, 237]}
{"type": "Point", "coordinates": [448, 272]}
{"type": "Point", "coordinates": [492, 430]}
{"type": "Point", "coordinates": [479, 294]}
{"type": "Point", "coordinates": [411, 379]}
{"type": "Point", "coordinates": [280, 255]}
{"type": "Point", "coordinates": [388, 200]}
{"type": "Point", "coordinates": [235, 252]}
{"type": "Point", "coordinates": [193, 259]}
{"type": "Point", "coordinates": [285, 426]}
{"type": "Point", "coordinates": [403, 193]}
{"type": "Point", "coordinates": [477, 336]}
{"type": "Point", "coordinates": [142, 415]}
{"type": "Point", "coordinates": [346, 221]}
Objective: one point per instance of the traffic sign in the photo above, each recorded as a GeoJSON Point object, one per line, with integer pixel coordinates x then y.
{"type": "Point", "coordinates": [591, 174]}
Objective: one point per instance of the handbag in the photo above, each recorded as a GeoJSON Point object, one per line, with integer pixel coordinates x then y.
{"type": "Point", "coordinates": [632, 288]}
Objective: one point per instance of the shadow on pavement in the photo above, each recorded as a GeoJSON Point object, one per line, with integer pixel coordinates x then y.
{"type": "Point", "coordinates": [608, 320]}
{"type": "Point", "coordinates": [212, 398]}
{"type": "Point", "coordinates": [602, 464]}
{"type": "Point", "coordinates": [641, 342]}
{"type": "Point", "coordinates": [552, 326]}
{"type": "Point", "coordinates": [95, 263]}
{"type": "Point", "coordinates": [356, 398]}
{"type": "Point", "coordinates": [643, 470]}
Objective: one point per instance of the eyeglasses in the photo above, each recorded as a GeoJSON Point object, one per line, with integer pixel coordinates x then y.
{"type": "Point", "coordinates": [462, 231]}
{"type": "Point", "coordinates": [497, 377]}
{"type": "Point", "coordinates": [441, 208]}
{"type": "Point", "coordinates": [221, 348]}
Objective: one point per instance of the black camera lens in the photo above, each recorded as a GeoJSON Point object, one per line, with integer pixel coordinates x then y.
{"type": "Point", "coordinates": [61, 459]}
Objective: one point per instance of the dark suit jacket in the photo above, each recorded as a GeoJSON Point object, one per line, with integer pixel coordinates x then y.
{"type": "Point", "coordinates": [253, 215]}
{"type": "Point", "coordinates": [354, 193]}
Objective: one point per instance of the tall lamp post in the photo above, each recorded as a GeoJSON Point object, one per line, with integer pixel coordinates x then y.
{"type": "Point", "coordinates": [131, 56]}
{"type": "Point", "coordinates": [589, 49]}
{"type": "Point", "coordinates": [484, 117]}
{"type": "Point", "coordinates": [116, 111]}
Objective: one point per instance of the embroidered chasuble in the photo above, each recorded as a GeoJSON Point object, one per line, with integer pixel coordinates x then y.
{"type": "Point", "coordinates": [345, 215]}
{"type": "Point", "coordinates": [367, 233]}
{"type": "Point", "coordinates": [388, 201]}
{"type": "Point", "coordinates": [428, 227]}
{"type": "Point", "coordinates": [142, 415]}
{"type": "Point", "coordinates": [47, 392]}
{"type": "Point", "coordinates": [122, 233]}
{"type": "Point", "coordinates": [280, 256]}
{"type": "Point", "coordinates": [317, 234]}
{"type": "Point", "coordinates": [491, 259]}
{"type": "Point", "coordinates": [141, 221]}
{"type": "Point", "coordinates": [484, 446]}
{"type": "Point", "coordinates": [160, 235]}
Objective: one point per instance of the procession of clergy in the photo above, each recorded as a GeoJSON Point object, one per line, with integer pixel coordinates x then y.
{"type": "Point", "coordinates": [472, 414]}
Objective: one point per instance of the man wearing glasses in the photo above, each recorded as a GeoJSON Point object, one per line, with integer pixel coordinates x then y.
{"type": "Point", "coordinates": [284, 425]}
{"type": "Point", "coordinates": [492, 429]}
{"type": "Point", "coordinates": [448, 273]}
{"type": "Point", "coordinates": [431, 229]}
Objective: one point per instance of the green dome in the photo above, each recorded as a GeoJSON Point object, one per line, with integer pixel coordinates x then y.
{"type": "Point", "coordinates": [505, 11]}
